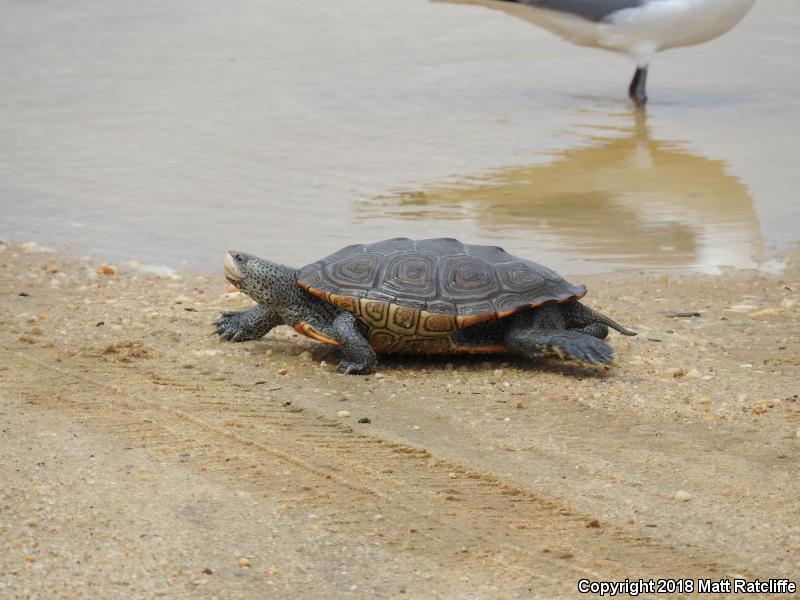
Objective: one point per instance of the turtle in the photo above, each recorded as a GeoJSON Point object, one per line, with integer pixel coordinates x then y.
{"type": "Point", "coordinates": [431, 296]}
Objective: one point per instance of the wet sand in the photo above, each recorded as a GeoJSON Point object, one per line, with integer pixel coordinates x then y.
{"type": "Point", "coordinates": [174, 132]}
{"type": "Point", "coordinates": [144, 458]}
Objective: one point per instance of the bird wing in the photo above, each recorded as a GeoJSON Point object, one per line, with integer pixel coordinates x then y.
{"type": "Point", "coordinates": [591, 10]}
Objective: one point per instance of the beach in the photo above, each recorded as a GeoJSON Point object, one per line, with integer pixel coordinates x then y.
{"type": "Point", "coordinates": [142, 457]}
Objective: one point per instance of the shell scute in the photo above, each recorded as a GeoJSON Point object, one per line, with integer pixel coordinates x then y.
{"type": "Point", "coordinates": [409, 275]}
{"type": "Point", "coordinates": [374, 312]}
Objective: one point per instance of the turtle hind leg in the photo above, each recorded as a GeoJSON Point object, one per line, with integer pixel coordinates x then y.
{"type": "Point", "coordinates": [533, 342]}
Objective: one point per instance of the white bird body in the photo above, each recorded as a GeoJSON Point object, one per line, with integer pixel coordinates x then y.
{"type": "Point", "coordinates": [638, 28]}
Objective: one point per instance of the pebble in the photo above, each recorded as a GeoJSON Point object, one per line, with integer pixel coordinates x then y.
{"type": "Point", "coordinates": [704, 400]}
{"type": "Point", "coordinates": [283, 371]}
{"type": "Point", "coordinates": [676, 372]}
{"type": "Point", "coordinates": [204, 352]}
{"type": "Point", "coordinates": [34, 248]}
{"type": "Point", "coordinates": [182, 300]}
{"type": "Point", "coordinates": [694, 373]}
{"type": "Point", "coordinates": [244, 563]}
{"type": "Point", "coordinates": [593, 523]}
{"type": "Point", "coordinates": [742, 308]}
{"type": "Point", "coordinates": [157, 270]}
{"type": "Point", "coordinates": [364, 420]}
{"type": "Point", "coordinates": [682, 496]}
{"type": "Point", "coordinates": [105, 269]}
{"type": "Point", "coordinates": [343, 413]}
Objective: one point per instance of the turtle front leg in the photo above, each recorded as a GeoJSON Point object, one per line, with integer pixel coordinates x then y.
{"type": "Point", "coordinates": [244, 325]}
{"type": "Point", "coordinates": [359, 357]}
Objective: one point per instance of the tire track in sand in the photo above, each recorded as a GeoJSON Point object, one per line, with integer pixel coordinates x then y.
{"type": "Point", "coordinates": [463, 520]}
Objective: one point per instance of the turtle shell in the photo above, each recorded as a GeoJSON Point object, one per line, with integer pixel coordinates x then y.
{"type": "Point", "coordinates": [441, 282]}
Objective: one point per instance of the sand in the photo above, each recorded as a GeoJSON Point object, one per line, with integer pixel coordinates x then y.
{"type": "Point", "coordinates": [141, 457]}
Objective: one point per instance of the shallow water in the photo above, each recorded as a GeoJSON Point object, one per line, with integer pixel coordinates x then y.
{"type": "Point", "coordinates": [171, 132]}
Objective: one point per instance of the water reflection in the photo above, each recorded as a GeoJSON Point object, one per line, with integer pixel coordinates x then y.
{"type": "Point", "coordinates": [624, 198]}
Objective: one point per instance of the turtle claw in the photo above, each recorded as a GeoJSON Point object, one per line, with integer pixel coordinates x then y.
{"type": "Point", "coordinates": [351, 368]}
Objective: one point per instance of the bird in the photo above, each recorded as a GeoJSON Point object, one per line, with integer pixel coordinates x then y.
{"type": "Point", "coordinates": [638, 28]}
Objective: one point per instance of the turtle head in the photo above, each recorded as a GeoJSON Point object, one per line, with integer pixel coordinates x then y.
{"type": "Point", "coordinates": [265, 282]}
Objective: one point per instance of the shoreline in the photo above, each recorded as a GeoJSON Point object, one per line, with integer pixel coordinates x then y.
{"type": "Point", "coordinates": [770, 263]}
{"type": "Point", "coordinates": [644, 469]}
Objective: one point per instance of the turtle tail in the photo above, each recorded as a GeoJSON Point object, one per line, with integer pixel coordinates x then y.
{"type": "Point", "coordinates": [582, 316]}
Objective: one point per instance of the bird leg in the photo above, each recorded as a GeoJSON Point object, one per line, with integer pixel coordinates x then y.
{"type": "Point", "coordinates": [636, 91]}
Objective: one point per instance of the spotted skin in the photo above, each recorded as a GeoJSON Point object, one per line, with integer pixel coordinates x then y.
{"type": "Point", "coordinates": [253, 324]}
{"type": "Point", "coordinates": [363, 325]}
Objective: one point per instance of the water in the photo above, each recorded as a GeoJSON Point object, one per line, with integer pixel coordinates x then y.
{"type": "Point", "coordinates": [170, 132]}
